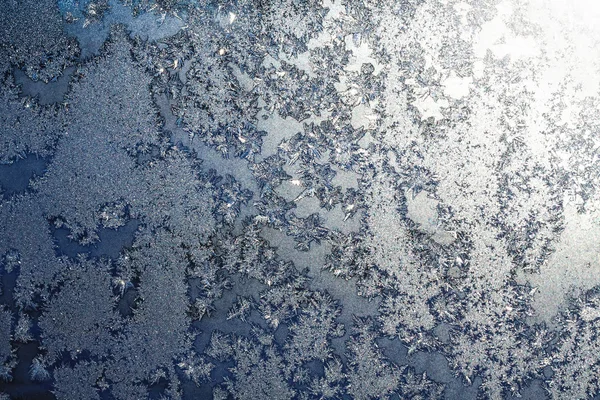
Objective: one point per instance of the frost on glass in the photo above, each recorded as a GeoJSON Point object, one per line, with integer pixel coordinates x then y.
{"type": "Point", "coordinates": [301, 199]}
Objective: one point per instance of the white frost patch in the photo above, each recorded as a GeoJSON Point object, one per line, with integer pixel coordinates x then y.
{"type": "Point", "coordinates": [277, 129]}
{"type": "Point", "coordinates": [516, 47]}
{"type": "Point", "coordinates": [428, 107]}
{"type": "Point", "coordinates": [345, 179]}
{"type": "Point", "coordinates": [422, 210]}
{"type": "Point", "coordinates": [243, 78]}
{"type": "Point", "coordinates": [363, 116]}
{"type": "Point", "coordinates": [573, 267]}
{"type": "Point", "coordinates": [497, 37]}
{"type": "Point", "coordinates": [361, 54]}
{"type": "Point", "coordinates": [302, 62]}
{"type": "Point", "coordinates": [462, 9]}
{"type": "Point", "coordinates": [457, 87]}
{"type": "Point", "coordinates": [269, 62]}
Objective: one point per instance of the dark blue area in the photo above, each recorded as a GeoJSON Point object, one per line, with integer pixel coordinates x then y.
{"type": "Point", "coordinates": [534, 391]}
{"type": "Point", "coordinates": [281, 333]}
{"type": "Point", "coordinates": [434, 364]}
{"type": "Point", "coordinates": [127, 303]}
{"type": "Point", "coordinates": [157, 390]}
{"type": "Point", "coordinates": [8, 281]}
{"type": "Point", "coordinates": [21, 387]}
{"type": "Point", "coordinates": [110, 245]}
{"type": "Point", "coordinates": [191, 391]}
{"type": "Point", "coordinates": [111, 242]}
{"type": "Point", "coordinates": [14, 178]}
{"type": "Point", "coordinates": [46, 93]}
{"type": "Point", "coordinates": [220, 371]}
{"type": "Point", "coordinates": [316, 368]}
